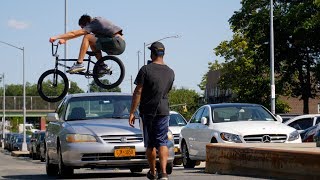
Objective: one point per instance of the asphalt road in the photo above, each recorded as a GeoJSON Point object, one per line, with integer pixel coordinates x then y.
{"type": "Point", "coordinates": [26, 168]}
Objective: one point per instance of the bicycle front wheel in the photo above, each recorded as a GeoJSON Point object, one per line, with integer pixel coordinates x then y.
{"type": "Point", "coordinates": [108, 72]}
{"type": "Point", "coordinates": [53, 85]}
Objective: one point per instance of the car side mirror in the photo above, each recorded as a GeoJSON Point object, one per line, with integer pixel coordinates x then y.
{"type": "Point", "coordinates": [279, 118]}
{"type": "Point", "coordinates": [52, 117]}
{"type": "Point", "coordinates": [204, 120]}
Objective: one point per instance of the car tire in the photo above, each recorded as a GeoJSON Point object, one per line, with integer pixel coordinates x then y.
{"type": "Point", "coordinates": [136, 169]}
{"type": "Point", "coordinates": [51, 169]}
{"type": "Point", "coordinates": [33, 155]}
{"type": "Point", "coordinates": [64, 171]}
{"type": "Point", "coordinates": [177, 161]}
{"type": "Point", "coordinates": [186, 161]}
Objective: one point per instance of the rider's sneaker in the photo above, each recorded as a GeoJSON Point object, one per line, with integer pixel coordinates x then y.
{"type": "Point", "coordinates": [151, 176]}
{"type": "Point", "coordinates": [76, 68]}
{"type": "Point", "coordinates": [103, 69]}
{"type": "Point", "coordinates": [163, 176]}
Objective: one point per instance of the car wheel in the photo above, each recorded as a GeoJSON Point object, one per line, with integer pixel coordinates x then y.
{"type": "Point", "coordinates": [64, 171]}
{"type": "Point", "coordinates": [177, 161]}
{"type": "Point", "coordinates": [136, 169]}
{"type": "Point", "coordinates": [33, 155]}
{"type": "Point", "coordinates": [186, 161]}
{"type": "Point", "coordinates": [51, 169]}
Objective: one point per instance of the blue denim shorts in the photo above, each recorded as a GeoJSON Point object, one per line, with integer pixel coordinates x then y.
{"type": "Point", "coordinates": [155, 130]}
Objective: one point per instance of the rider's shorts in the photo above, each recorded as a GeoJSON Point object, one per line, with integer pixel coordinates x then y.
{"type": "Point", "coordinates": [155, 130]}
{"type": "Point", "coordinates": [111, 45]}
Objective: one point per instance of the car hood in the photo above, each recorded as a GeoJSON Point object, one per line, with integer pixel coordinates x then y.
{"type": "Point", "coordinates": [101, 127]}
{"type": "Point", "coordinates": [253, 127]}
{"type": "Point", "coordinates": [175, 129]}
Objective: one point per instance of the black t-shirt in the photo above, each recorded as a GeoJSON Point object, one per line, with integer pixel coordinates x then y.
{"type": "Point", "coordinates": [157, 81]}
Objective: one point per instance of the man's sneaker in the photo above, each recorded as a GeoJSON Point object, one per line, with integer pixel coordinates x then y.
{"type": "Point", "coordinates": [163, 176]}
{"type": "Point", "coordinates": [150, 176]}
{"type": "Point", "coordinates": [76, 68]}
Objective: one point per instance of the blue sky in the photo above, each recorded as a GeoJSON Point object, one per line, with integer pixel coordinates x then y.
{"type": "Point", "coordinates": [201, 25]}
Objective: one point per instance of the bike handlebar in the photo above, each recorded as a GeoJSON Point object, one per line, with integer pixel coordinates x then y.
{"type": "Point", "coordinates": [54, 51]}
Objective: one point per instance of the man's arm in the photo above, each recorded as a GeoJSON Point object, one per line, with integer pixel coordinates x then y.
{"type": "Point", "coordinates": [134, 104]}
{"type": "Point", "coordinates": [69, 35]}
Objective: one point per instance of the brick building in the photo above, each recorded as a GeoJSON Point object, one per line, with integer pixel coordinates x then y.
{"type": "Point", "coordinates": [213, 94]}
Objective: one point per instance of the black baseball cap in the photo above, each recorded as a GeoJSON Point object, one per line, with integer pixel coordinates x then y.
{"type": "Point", "coordinates": [157, 46]}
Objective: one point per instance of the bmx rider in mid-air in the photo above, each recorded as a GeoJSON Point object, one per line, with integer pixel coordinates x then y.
{"type": "Point", "coordinates": [98, 33]}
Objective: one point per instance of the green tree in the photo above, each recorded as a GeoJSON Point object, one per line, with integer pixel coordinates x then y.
{"type": "Point", "coordinates": [178, 97]}
{"type": "Point", "coordinates": [296, 25]}
{"type": "Point", "coordinates": [74, 88]}
{"type": "Point", "coordinates": [95, 88]}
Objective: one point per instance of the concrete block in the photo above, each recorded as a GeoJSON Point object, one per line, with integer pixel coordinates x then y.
{"type": "Point", "coordinates": [289, 161]}
{"type": "Point", "coordinates": [20, 153]}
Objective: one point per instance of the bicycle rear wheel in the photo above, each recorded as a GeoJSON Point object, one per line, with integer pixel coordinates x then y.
{"type": "Point", "coordinates": [53, 85]}
{"type": "Point", "coordinates": [108, 72]}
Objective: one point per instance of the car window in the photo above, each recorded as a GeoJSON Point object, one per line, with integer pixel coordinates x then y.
{"type": "Point", "coordinates": [206, 114]}
{"type": "Point", "coordinates": [197, 116]}
{"type": "Point", "coordinates": [302, 124]}
{"type": "Point", "coordinates": [177, 120]}
{"type": "Point", "coordinates": [317, 120]}
{"type": "Point", "coordinates": [95, 107]}
{"type": "Point", "coordinates": [240, 113]}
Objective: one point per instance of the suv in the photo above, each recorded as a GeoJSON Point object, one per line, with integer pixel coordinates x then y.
{"type": "Point", "coordinates": [89, 130]}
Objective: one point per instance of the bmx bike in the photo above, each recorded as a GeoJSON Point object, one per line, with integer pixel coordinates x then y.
{"type": "Point", "coordinates": [53, 85]}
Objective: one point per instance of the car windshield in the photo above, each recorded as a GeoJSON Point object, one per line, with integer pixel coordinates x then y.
{"type": "Point", "coordinates": [241, 113]}
{"type": "Point", "coordinates": [177, 120]}
{"type": "Point", "coordinates": [95, 107]}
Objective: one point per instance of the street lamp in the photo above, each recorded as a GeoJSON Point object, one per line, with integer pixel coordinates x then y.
{"type": "Point", "coordinates": [145, 45]}
{"type": "Point", "coordinates": [4, 110]}
{"type": "Point", "coordinates": [273, 88]}
{"type": "Point", "coordinates": [24, 144]}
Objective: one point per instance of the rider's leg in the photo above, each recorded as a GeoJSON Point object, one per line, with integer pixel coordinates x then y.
{"type": "Point", "coordinates": [86, 41]}
{"type": "Point", "coordinates": [93, 47]}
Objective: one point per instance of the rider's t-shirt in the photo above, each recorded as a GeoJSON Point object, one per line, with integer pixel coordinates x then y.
{"type": "Point", "coordinates": [102, 27]}
{"type": "Point", "coordinates": [157, 81]}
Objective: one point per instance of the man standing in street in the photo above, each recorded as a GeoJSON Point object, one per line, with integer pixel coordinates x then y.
{"type": "Point", "coordinates": [154, 81]}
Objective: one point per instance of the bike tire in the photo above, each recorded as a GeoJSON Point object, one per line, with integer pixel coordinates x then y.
{"type": "Point", "coordinates": [113, 77]}
{"type": "Point", "coordinates": [52, 95]}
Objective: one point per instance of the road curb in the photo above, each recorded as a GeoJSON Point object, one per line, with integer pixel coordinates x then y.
{"type": "Point", "coordinates": [20, 153]}
{"type": "Point", "coordinates": [265, 160]}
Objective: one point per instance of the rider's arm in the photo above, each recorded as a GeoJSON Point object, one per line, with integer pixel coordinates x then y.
{"type": "Point", "coordinates": [71, 34]}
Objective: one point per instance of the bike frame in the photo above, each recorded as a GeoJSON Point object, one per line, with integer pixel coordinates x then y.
{"type": "Point", "coordinates": [86, 73]}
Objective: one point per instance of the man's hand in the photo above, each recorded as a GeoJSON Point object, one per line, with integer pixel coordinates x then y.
{"type": "Point", "coordinates": [52, 39]}
{"type": "Point", "coordinates": [131, 120]}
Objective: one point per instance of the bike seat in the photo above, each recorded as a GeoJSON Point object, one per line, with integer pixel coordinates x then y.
{"type": "Point", "coordinates": [91, 53]}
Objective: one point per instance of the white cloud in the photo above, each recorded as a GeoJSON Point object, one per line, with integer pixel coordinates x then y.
{"type": "Point", "coordinates": [17, 24]}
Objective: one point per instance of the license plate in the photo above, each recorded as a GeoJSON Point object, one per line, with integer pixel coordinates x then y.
{"type": "Point", "coordinates": [124, 151]}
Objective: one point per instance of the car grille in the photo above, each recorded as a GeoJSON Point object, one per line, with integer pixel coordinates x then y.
{"type": "Point", "coordinates": [176, 138]}
{"type": "Point", "coordinates": [122, 139]}
{"type": "Point", "coordinates": [266, 138]}
{"type": "Point", "coordinates": [109, 156]}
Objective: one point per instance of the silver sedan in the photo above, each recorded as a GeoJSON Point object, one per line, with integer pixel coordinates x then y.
{"type": "Point", "coordinates": [91, 130]}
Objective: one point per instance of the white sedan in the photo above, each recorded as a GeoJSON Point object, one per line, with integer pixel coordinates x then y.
{"type": "Point", "coordinates": [231, 123]}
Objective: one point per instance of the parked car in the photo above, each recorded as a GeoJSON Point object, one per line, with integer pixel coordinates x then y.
{"type": "Point", "coordinates": [304, 121]}
{"type": "Point", "coordinates": [176, 123]}
{"type": "Point", "coordinates": [36, 139]}
{"type": "Point", "coordinates": [6, 140]}
{"type": "Point", "coordinates": [42, 150]}
{"type": "Point", "coordinates": [308, 134]}
{"type": "Point", "coordinates": [231, 123]}
{"type": "Point", "coordinates": [85, 131]}
{"type": "Point", "coordinates": [12, 140]}
{"type": "Point", "coordinates": [17, 145]}
{"type": "Point", "coordinates": [286, 117]}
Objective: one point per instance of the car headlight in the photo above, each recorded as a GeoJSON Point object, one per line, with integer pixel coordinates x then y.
{"type": "Point", "coordinates": [294, 135]}
{"type": "Point", "coordinates": [79, 138]}
{"type": "Point", "coordinates": [230, 137]}
{"type": "Point", "coordinates": [170, 136]}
